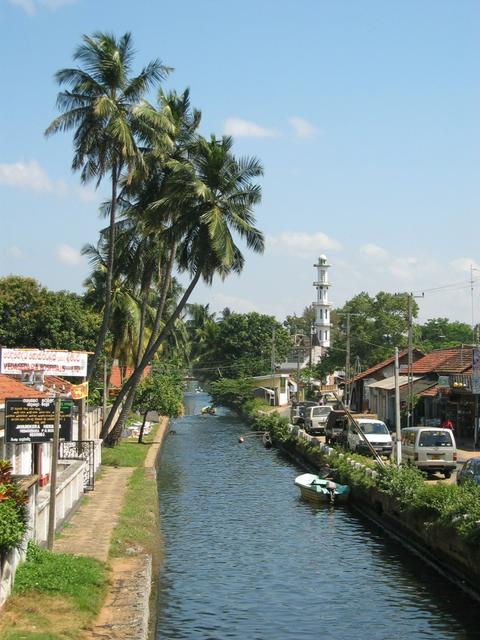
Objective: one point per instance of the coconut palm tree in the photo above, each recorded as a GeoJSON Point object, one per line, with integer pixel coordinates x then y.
{"type": "Point", "coordinates": [212, 196]}
{"type": "Point", "coordinates": [102, 104]}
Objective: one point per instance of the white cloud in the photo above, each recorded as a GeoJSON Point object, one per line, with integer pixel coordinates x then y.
{"type": "Point", "coordinates": [27, 5]}
{"type": "Point", "coordinates": [464, 264]}
{"type": "Point", "coordinates": [53, 5]}
{"type": "Point", "coordinates": [303, 244]}
{"type": "Point", "coordinates": [246, 129]}
{"type": "Point", "coordinates": [29, 175]}
{"type": "Point", "coordinates": [87, 195]}
{"type": "Point", "coordinates": [15, 253]}
{"type": "Point", "coordinates": [69, 255]}
{"type": "Point", "coordinates": [374, 251]}
{"type": "Point", "coordinates": [302, 128]}
{"type": "Point", "coordinates": [31, 6]}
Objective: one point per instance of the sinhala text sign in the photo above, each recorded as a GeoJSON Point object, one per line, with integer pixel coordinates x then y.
{"type": "Point", "coordinates": [31, 420]}
{"type": "Point", "coordinates": [55, 363]}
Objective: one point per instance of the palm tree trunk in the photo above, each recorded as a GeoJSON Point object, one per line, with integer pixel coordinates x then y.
{"type": "Point", "coordinates": [112, 438]}
{"type": "Point", "coordinates": [143, 314]}
{"type": "Point", "coordinates": [108, 288]}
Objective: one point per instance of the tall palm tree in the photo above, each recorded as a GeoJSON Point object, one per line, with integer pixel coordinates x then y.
{"type": "Point", "coordinates": [102, 103]}
{"type": "Point", "coordinates": [213, 195]}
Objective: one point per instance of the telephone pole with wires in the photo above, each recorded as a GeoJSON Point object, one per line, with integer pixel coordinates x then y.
{"type": "Point", "coordinates": [411, 296]}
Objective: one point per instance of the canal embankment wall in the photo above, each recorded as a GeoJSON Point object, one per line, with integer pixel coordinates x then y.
{"type": "Point", "coordinates": [439, 546]}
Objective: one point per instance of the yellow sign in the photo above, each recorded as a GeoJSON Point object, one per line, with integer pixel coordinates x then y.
{"type": "Point", "coordinates": [79, 391]}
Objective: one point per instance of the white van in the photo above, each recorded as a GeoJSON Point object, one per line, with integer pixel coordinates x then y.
{"type": "Point", "coordinates": [316, 419]}
{"type": "Point", "coordinates": [430, 449]}
{"type": "Point", "coordinates": [377, 434]}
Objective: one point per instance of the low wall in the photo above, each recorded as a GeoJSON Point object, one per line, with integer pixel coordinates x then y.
{"type": "Point", "coordinates": [68, 496]}
{"type": "Point", "coordinates": [441, 547]}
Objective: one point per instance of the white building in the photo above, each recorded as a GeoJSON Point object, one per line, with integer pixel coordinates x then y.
{"type": "Point", "coordinates": [322, 307]}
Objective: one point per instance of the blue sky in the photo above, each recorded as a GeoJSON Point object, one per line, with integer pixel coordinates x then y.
{"type": "Point", "coordinates": [365, 115]}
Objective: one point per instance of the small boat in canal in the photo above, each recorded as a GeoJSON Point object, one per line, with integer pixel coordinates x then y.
{"type": "Point", "coordinates": [316, 489]}
{"type": "Point", "coordinates": [209, 410]}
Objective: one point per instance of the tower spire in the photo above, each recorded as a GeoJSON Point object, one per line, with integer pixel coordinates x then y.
{"type": "Point", "coordinates": [322, 305]}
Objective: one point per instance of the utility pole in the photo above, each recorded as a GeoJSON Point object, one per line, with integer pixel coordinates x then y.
{"type": "Point", "coordinates": [398, 433]}
{"type": "Point", "coordinates": [273, 352]}
{"type": "Point", "coordinates": [410, 360]}
{"type": "Point", "coordinates": [53, 474]}
{"type": "Point", "coordinates": [347, 359]}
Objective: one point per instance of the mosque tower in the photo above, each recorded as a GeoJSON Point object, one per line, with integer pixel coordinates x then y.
{"type": "Point", "coordinates": [322, 306]}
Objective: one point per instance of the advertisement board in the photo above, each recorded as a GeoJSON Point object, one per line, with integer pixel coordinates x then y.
{"type": "Point", "coordinates": [31, 420]}
{"type": "Point", "coordinates": [54, 363]}
{"type": "Point", "coordinates": [476, 371]}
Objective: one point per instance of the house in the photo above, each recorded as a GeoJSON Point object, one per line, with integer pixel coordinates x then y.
{"type": "Point", "coordinates": [360, 393]}
{"type": "Point", "coordinates": [276, 388]}
{"type": "Point", "coordinates": [450, 393]}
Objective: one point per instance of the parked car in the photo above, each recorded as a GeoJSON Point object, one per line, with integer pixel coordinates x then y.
{"type": "Point", "coordinates": [375, 431]}
{"type": "Point", "coordinates": [430, 449]}
{"type": "Point", "coordinates": [297, 411]}
{"type": "Point", "coordinates": [335, 429]}
{"type": "Point", "coordinates": [470, 472]}
{"type": "Point", "coordinates": [315, 419]}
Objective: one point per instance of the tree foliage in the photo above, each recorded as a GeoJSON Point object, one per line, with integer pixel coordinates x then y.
{"type": "Point", "coordinates": [242, 346]}
{"type": "Point", "coordinates": [439, 333]}
{"type": "Point", "coordinates": [33, 316]}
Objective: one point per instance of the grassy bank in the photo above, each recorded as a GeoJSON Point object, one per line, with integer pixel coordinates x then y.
{"type": "Point", "coordinates": [58, 596]}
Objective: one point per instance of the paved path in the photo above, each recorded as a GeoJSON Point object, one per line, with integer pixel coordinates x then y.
{"type": "Point", "coordinates": [90, 530]}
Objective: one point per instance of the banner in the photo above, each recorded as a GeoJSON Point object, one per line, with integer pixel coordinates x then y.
{"type": "Point", "coordinates": [54, 363]}
{"type": "Point", "coordinates": [79, 391]}
{"type": "Point", "coordinates": [31, 420]}
{"type": "Point", "coordinates": [476, 370]}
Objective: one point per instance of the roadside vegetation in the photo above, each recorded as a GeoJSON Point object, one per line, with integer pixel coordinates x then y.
{"type": "Point", "coordinates": [56, 597]}
{"type": "Point", "coordinates": [13, 514]}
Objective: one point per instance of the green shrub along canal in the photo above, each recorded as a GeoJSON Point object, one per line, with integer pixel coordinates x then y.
{"type": "Point", "coordinates": [246, 559]}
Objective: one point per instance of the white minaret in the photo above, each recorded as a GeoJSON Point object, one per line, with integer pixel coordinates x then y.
{"type": "Point", "coordinates": [322, 305]}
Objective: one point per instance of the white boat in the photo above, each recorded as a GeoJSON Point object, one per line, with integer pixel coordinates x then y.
{"type": "Point", "coordinates": [316, 489]}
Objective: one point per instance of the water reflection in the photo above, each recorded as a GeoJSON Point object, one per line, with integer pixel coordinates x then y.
{"type": "Point", "coordinates": [246, 559]}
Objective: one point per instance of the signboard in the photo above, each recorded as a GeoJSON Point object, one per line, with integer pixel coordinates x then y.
{"type": "Point", "coordinates": [31, 420]}
{"type": "Point", "coordinates": [476, 371]}
{"type": "Point", "coordinates": [444, 381]}
{"type": "Point", "coordinates": [54, 363]}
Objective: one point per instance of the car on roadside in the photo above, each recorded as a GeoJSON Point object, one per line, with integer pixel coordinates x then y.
{"type": "Point", "coordinates": [430, 449]}
{"type": "Point", "coordinates": [336, 428]}
{"type": "Point", "coordinates": [470, 472]}
{"type": "Point", "coordinates": [375, 432]}
{"type": "Point", "coordinates": [297, 411]}
{"type": "Point", "coordinates": [315, 419]}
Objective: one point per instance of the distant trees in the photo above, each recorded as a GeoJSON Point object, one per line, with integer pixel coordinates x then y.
{"type": "Point", "coordinates": [243, 345]}
{"type": "Point", "coordinates": [439, 333]}
{"type": "Point", "coordinates": [33, 316]}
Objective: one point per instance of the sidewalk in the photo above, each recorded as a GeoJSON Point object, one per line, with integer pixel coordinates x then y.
{"type": "Point", "coordinates": [125, 612]}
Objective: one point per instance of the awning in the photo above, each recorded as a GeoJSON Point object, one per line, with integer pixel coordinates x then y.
{"type": "Point", "coordinates": [389, 383]}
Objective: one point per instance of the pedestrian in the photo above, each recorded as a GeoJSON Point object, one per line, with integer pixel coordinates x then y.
{"type": "Point", "coordinates": [447, 424]}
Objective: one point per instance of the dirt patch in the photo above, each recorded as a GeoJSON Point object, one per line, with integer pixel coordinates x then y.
{"type": "Point", "coordinates": [25, 614]}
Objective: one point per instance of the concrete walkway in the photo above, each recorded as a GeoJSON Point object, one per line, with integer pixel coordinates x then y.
{"type": "Point", "coordinates": [90, 530]}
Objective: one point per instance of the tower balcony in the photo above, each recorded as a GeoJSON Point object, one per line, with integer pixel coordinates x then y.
{"type": "Point", "coordinates": [322, 283]}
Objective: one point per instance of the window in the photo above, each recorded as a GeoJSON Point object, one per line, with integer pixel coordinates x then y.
{"type": "Point", "coordinates": [435, 439]}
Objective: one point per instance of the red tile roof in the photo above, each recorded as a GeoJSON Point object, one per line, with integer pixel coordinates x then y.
{"type": "Point", "coordinates": [453, 360]}
{"type": "Point", "coordinates": [11, 388]}
{"type": "Point", "coordinates": [54, 383]}
{"type": "Point", "coordinates": [385, 363]}
{"type": "Point", "coordinates": [119, 374]}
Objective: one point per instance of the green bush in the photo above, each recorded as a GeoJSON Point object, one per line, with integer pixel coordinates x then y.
{"type": "Point", "coordinates": [12, 525]}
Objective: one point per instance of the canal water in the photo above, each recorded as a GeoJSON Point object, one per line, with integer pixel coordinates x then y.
{"type": "Point", "coordinates": [246, 559]}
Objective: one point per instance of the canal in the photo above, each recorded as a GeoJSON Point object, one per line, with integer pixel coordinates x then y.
{"type": "Point", "coordinates": [246, 559]}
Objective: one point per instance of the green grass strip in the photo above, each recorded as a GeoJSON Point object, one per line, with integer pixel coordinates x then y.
{"type": "Point", "coordinates": [128, 453]}
{"type": "Point", "coordinates": [84, 579]}
{"type": "Point", "coordinates": [138, 521]}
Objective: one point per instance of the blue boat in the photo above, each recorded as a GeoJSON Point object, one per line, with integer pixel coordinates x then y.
{"type": "Point", "coordinates": [316, 489]}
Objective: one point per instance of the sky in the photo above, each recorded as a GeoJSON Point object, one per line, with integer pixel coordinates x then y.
{"type": "Point", "coordinates": [365, 115]}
